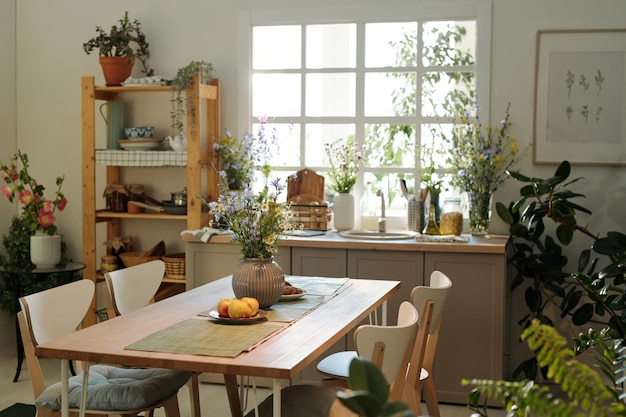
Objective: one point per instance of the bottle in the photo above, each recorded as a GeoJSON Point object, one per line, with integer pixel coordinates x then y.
{"type": "Point", "coordinates": [369, 221]}
{"type": "Point", "coordinates": [431, 226]}
{"type": "Point", "coordinates": [452, 217]}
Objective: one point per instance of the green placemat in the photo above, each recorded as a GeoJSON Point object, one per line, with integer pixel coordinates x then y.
{"type": "Point", "coordinates": [317, 285]}
{"type": "Point", "coordinates": [206, 337]}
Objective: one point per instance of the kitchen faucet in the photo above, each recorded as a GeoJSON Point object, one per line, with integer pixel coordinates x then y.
{"type": "Point", "coordinates": [382, 222]}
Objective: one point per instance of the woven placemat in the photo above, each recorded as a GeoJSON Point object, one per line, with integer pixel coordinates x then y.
{"type": "Point", "coordinates": [206, 337]}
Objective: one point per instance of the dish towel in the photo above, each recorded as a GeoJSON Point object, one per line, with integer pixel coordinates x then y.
{"type": "Point", "coordinates": [442, 238]}
{"type": "Point", "coordinates": [205, 233]}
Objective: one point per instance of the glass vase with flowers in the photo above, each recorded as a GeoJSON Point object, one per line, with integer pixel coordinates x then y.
{"type": "Point", "coordinates": [38, 212]}
{"type": "Point", "coordinates": [257, 222]}
{"type": "Point", "coordinates": [480, 155]}
{"type": "Point", "coordinates": [345, 159]}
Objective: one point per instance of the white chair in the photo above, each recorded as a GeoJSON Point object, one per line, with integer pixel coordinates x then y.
{"type": "Point", "coordinates": [389, 347]}
{"type": "Point", "coordinates": [131, 288]}
{"type": "Point", "coordinates": [420, 370]}
{"type": "Point", "coordinates": [58, 311]}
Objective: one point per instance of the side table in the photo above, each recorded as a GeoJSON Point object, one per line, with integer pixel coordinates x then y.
{"type": "Point", "coordinates": [69, 269]}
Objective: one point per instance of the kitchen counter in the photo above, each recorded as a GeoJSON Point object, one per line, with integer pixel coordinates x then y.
{"type": "Point", "coordinates": [490, 244]}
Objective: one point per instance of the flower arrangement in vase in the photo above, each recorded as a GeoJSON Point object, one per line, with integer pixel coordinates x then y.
{"type": "Point", "coordinates": [480, 157]}
{"type": "Point", "coordinates": [37, 214]}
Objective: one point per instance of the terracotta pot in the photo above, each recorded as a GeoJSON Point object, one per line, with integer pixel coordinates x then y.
{"type": "Point", "coordinates": [116, 68]}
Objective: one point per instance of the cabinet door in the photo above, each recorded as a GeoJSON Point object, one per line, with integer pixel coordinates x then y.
{"type": "Point", "coordinates": [206, 262]}
{"type": "Point", "coordinates": [406, 267]}
{"type": "Point", "coordinates": [471, 341]}
{"type": "Point", "coordinates": [319, 262]}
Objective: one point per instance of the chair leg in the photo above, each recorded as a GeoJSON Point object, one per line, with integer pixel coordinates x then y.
{"type": "Point", "coordinates": [194, 395]}
{"type": "Point", "coordinates": [171, 407]}
{"type": "Point", "coordinates": [430, 395]}
{"type": "Point", "coordinates": [412, 398]}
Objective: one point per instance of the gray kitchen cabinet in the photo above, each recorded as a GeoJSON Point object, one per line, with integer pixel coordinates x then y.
{"type": "Point", "coordinates": [472, 338]}
{"type": "Point", "coordinates": [319, 262]}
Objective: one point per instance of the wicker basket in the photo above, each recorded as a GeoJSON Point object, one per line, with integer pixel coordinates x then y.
{"type": "Point", "coordinates": [136, 258]}
{"type": "Point", "coordinates": [175, 266]}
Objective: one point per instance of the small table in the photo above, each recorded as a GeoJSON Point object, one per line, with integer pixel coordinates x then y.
{"type": "Point", "coordinates": [69, 269]}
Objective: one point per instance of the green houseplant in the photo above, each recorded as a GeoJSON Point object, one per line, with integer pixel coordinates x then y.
{"type": "Point", "coordinates": [588, 295]}
{"type": "Point", "coordinates": [118, 48]}
{"type": "Point", "coordinates": [183, 82]}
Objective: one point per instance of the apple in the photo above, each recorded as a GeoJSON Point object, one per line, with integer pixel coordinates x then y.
{"type": "Point", "coordinates": [222, 306]}
{"type": "Point", "coordinates": [254, 304]}
{"type": "Point", "coordinates": [238, 309]}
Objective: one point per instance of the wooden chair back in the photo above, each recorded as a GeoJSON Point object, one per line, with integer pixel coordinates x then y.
{"type": "Point", "coordinates": [131, 288]}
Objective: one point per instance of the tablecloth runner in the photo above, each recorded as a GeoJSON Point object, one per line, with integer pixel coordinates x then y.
{"type": "Point", "coordinates": [209, 338]}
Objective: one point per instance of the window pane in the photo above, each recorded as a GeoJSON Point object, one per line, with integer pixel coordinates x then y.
{"type": "Point", "coordinates": [384, 43]}
{"type": "Point", "coordinates": [390, 94]}
{"type": "Point", "coordinates": [275, 95]}
{"type": "Point", "coordinates": [458, 37]}
{"type": "Point", "coordinates": [330, 94]}
{"type": "Point", "coordinates": [331, 46]}
{"type": "Point", "coordinates": [441, 90]}
{"type": "Point", "coordinates": [390, 145]}
{"type": "Point", "coordinates": [276, 47]}
{"type": "Point", "coordinates": [317, 134]}
{"type": "Point", "coordinates": [281, 142]}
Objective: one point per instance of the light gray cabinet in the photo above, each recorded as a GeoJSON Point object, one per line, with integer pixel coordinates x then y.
{"type": "Point", "coordinates": [319, 262]}
{"type": "Point", "coordinates": [472, 338]}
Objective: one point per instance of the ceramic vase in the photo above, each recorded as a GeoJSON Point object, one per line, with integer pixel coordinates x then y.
{"type": "Point", "coordinates": [262, 279]}
{"type": "Point", "coordinates": [343, 212]}
{"type": "Point", "coordinates": [45, 250]}
{"type": "Point", "coordinates": [479, 212]}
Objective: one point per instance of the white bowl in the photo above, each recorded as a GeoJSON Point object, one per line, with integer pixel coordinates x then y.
{"type": "Point", "coordinates": [139, 132]}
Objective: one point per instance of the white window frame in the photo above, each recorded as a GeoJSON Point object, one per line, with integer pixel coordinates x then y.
{"type": "Point", "coordinates": [400, 11]}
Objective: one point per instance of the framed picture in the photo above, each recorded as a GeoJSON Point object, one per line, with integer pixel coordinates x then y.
{"type": "Point", "coordinates": [580, 97]}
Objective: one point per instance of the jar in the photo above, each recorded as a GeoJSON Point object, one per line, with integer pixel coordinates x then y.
{"type": "Point", "coordinates": [108, 264]}
{"type": "Point", "coordinates": [136, 192]}
{"type": "Point", "coordinates": [431, 227]}
{"type": "Point", "coordinates": [116, 197]}
{"type": "Point", "coordinates": [451, 217]}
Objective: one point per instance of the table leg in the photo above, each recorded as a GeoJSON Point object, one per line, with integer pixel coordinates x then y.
{"type": "Point", "coordinates": [276, 400]}
{"type": "Point", "coordinates": [65, 384]}
{"type": "Point", "coordinates": [234, 401]}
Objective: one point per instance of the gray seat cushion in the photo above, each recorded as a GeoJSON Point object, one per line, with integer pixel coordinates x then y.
{"type": "Point", "coordinates": [112, 389]}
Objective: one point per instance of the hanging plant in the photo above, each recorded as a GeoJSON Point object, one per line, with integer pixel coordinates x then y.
{"type": "Point", "coordinates": [182, 83]}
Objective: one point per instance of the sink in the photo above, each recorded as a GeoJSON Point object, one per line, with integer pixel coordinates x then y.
{"type": "Point", "coordinates": [376, 235]}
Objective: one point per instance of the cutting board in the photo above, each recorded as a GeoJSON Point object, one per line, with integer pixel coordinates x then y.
{"type": "Point", "coordinates": [307, 187]}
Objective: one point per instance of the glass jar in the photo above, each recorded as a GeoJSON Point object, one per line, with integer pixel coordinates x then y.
{"type": "Point", "coordinates": [108, 264]}
{"type": "Point", "coordinates": [116, 197]}
{"type": "Point", "coordinates": [136, 192]}
{"type": "Point", "coordinates": [451, 217]}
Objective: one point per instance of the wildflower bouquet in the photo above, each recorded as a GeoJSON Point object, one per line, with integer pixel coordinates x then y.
{"type": "Point", "coordinates": [236, 158]}
{"type": "Point", "coordinates": [37, 211]}
{"type": "Point", "coordinates": [257, 221]}
{"type": "Point", "coordinates": [345, 161]}
{"type": "Point", "coordinates": [480, 155]}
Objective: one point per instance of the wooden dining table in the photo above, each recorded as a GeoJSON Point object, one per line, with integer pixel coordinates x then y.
{"type": "Point", "coordinates": [279, 357]}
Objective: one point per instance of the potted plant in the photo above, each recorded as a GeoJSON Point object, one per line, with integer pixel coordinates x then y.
{"type": "Point", "coordinates": [118, 49]}
{"type": "Point", "coordinates": [183, 82]}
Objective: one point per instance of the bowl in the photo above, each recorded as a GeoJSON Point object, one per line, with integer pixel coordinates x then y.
{"type": "Point", "coordinates": [139, 132]}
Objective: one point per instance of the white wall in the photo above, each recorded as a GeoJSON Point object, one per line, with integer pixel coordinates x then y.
{"type": "Point", "coordinates": [50, 61]}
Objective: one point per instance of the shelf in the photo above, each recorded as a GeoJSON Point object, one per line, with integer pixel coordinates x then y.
{"type": "Point", "coordinates": [104, 215]}
{"type": "Point", "coordinates": [121, 158]}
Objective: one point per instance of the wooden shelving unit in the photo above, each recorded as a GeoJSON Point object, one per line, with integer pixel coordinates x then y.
{"type": "Point", "coordinates": [202, 129]}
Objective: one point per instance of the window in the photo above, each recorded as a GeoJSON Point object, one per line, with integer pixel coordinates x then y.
{"type": "Point", "coordinates": [383, 77]}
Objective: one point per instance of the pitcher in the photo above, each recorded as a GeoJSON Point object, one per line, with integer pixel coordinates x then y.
{"type": "Point", "coordinates": [114, 119]}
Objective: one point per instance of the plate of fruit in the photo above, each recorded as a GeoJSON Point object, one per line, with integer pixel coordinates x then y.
{"type": "Point", "coordinates": [238, 311]}
{"type": "Point", "coordinates": [292, 293]}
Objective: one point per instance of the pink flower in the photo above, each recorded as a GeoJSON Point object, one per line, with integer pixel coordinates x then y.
{"type": "Point", "coordinates": [62, 203]}
{"type": "Point", "coordinates": [25, 197]}
{"type": "Point", "coordinates": [8, 192]}
{"type": "Point", "coordinates": [46, 218]}
{"type": "Point", "coordinates": [10, 175]}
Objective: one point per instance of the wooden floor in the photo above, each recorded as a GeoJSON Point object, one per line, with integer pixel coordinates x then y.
{"type": "Point", "coordinates": [213, 400]}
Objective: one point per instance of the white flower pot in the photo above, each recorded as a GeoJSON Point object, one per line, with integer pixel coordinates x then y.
{"type": "Point", "coordinates": [45, 250]}
{"type": "Point", "coordinates": [343, 212]}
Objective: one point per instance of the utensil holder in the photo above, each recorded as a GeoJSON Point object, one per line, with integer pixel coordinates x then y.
{"type": "Point", "coordinates": [415, 216]}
